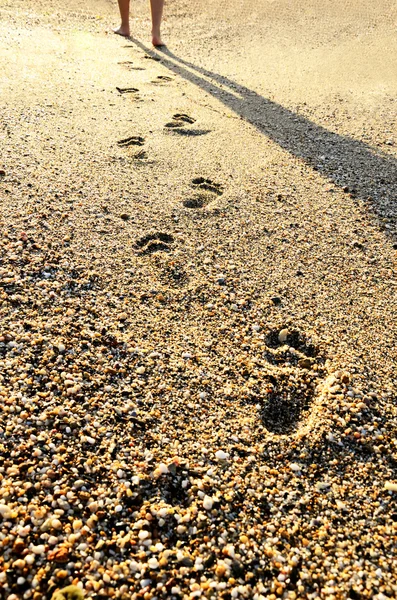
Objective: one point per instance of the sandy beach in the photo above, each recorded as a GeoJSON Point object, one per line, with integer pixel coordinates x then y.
{"type": "Point", "coordinates": [198, 297]}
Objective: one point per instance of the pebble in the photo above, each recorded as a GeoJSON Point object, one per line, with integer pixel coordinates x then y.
{"type": "Point", "coordinates": [221, 455]}
{"type": "Point", "coordinates": [153, 563]}
{"type": "Point", "coordinates": [208, 502]}
{"type": "Point", "coordinates": [5, 511]}
{"type": "Point", "coordinates": [391, 486]}
{"type": "Point", "coordinates": [282, 336]}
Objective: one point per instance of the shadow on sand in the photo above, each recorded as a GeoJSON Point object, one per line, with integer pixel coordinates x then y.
{"type": "Point", "coordinates": [361, 170]}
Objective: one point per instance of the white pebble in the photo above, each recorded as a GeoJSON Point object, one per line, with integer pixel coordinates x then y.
{"type": "Point", "coordinates": [153, 563]}
{"type": "Point", "coordinates": [5, 511]}
{"type": "Point", "coordinates": [140, 370]}
{"type": "Point", "coordinates": [52, 540]}
{"type": "Point", "coordinates": [61, 348]}
{"type": "Point", "coordinates": [143, 534]}
{"type": "Point", "coordinates": [221, 455]}
{"type": "Point", "coordinates": [295, 467]}
{"type": "Point", "coordinates": [208, 502]}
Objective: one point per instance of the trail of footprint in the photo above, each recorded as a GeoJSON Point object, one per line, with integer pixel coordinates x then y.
{"type": "Point", "coordinates": [207, 184]}
{"type": "Point", "coordinates": [135, 140]}
{"type": "Point", "coordinates": [154, 242]}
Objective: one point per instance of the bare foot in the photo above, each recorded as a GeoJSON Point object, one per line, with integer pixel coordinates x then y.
{"type": "Point", "coordinates": [156, 40]}
{"type": "Point", "coordinates": [124, 31]}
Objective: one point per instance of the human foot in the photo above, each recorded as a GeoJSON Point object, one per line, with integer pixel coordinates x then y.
{"type": "Point", "coordinates": [156, 40]}
{"type": "Point", "coordinates": [122, 30]}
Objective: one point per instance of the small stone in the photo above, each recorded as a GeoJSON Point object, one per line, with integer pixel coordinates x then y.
{"type": "Point", "coordinates": [208, 502]}
{"type": "Point", "coordinates": [305, 363]}
{"type": "Point", "coordinates": [5, 511]}
{"type": "Point", "coordinates": [56, 524]}
{"type": "Point", "coordinates": [392, 487]}
{"type": "Point", "coordinates": [221, 455]}
{"type": "Point", "coordinates": [19, 546]}
{"type": "Point", "coordinates": [276, 300]}
{"type": "Point", "coordinates": [282, 336]}
{"type": "Point", "coordinates": [59, 555]}
{"type": "Point", "coordinates": [321, 486]}
{"type": "Point", "coordinates": [93, 508]}
{"type": "Point", "coordinates": [153, 563]}
{"type": "Point", "coordinates": [295, 467]}
{"type": "Point", "coordinates": [124, 216]}
{"type": "Point", "coordinates": [143, 535]}
{"type": "Point", "coordinates": [61, 348]}
{"type": "Point", "coordinates": [140, 370]}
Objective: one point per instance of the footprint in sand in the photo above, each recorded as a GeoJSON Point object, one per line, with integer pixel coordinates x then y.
{"type": "Point", "coordinates": [156, 58]}
{"type": "Point", "coordinates": [179, 120]}
{"type": "Point", "coordinates": [205, 191]}
{"type": "Point", "coordinates": [154, 242]}
{"type": "Point", "coordinates": [140, 155]}
{"type": "Point", "coordinates": [130, 90]}
{"type": "Point", "coordinates": [295, 368]}
{"type": "Point", "coordinates": [135, 140]}
{"type": "Point", "coordinates": [199, 200]}
{"type": "Point", "coordinates": [129, 65]}
{"type": "Point", "coordinates": [162, 79]}
{"type": "Point", "coordinates": [208, 185]}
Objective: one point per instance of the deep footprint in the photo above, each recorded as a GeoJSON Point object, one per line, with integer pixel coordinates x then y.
{"type": "Point", "coordinates": [295, 370]}
{"type": "Point", "coordinates": [154, 242]}
{"type": "Point", "coordinates": [207, 184]}
{"type": "Point", "coordinates": [135, 140]}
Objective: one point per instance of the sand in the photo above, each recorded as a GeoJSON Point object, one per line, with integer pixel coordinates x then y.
{"type": "Point", "coordinates": [198, 299]}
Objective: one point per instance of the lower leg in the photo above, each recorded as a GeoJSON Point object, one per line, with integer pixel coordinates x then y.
{"type": "Point", "coordinates": [124, 7]}
{"type": "Point", "coordinates": [156, 7]}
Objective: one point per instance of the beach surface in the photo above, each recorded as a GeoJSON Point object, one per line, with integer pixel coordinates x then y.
{"type": "Point", "coordinates": [198, 298]}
